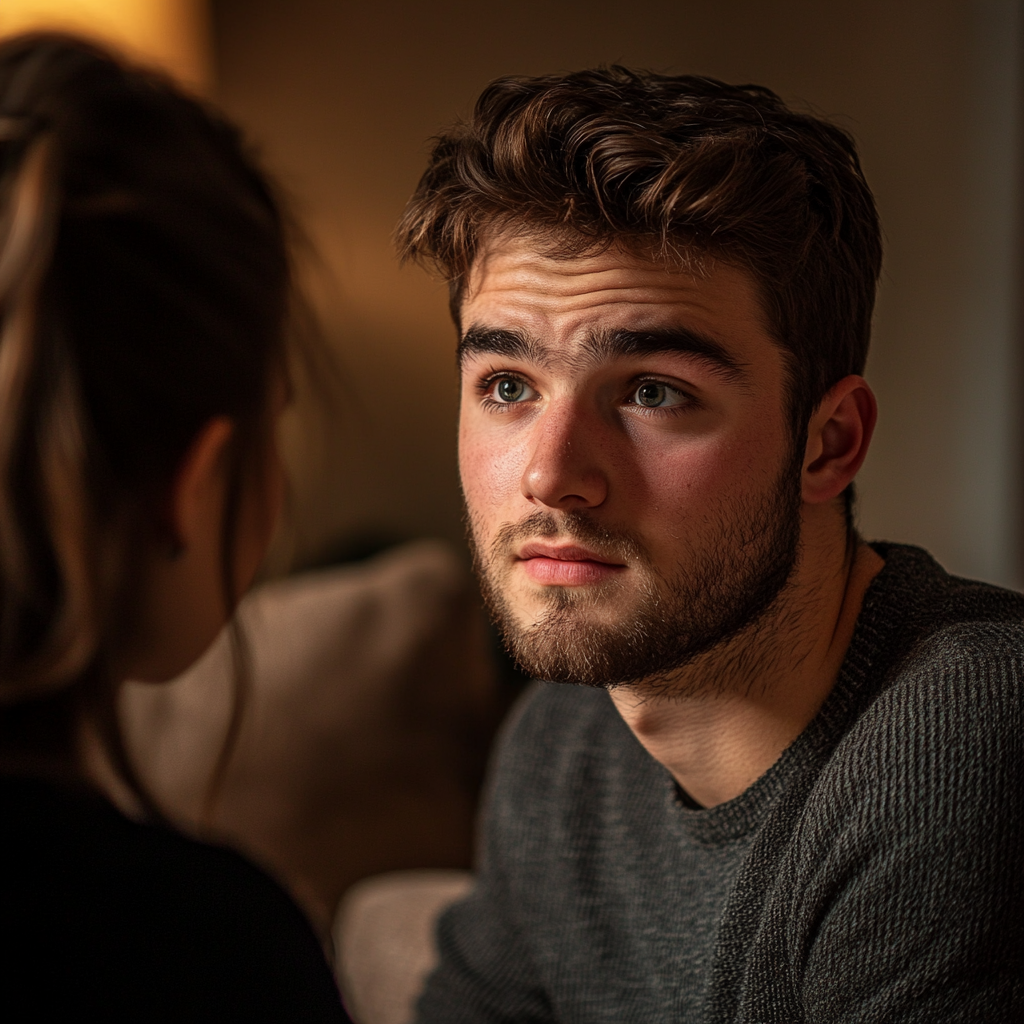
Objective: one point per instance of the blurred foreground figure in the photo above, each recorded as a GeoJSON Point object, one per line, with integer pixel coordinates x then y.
{"type": "Point", "coordinates": [790, 783]}
{"type": "Point", "coordinates": [144, 293]}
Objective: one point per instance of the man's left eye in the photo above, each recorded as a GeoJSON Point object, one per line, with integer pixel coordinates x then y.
{"type": "Point", "coordinates": [655, 395]}
{"type": "Point", "coordinates": [511, 391]}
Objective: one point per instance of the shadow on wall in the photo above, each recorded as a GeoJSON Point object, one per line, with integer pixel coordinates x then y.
{"type": "Point", "coordinates": [371, 449]}
{"type": "Point", "coordinates": [343, 98]}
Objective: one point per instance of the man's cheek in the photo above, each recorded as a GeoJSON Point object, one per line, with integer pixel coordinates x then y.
{"type": "Point", "coordinates": [703, 472]}
{"type": "Point", "coordinates": [476, 477]}
{"type": "Point", "coordinates": [491, 471]}
{"type": "Point", "coordinates": [680, 483]}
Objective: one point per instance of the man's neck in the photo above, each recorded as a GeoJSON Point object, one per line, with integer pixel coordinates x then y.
{"type": "Point", "coordinates": [752, 697]}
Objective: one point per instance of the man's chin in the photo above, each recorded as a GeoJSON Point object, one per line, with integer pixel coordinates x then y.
{"type": "Point", "coordinates": [588, 609]}
{"type": "Point", "coordinates": [568, 644]}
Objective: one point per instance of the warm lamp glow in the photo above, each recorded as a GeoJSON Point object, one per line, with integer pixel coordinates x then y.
{"type": "Point", "coordinates": [173, 34]}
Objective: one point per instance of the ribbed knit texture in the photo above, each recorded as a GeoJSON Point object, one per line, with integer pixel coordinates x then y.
{"type": "Point", "coordinates": [875, 873]}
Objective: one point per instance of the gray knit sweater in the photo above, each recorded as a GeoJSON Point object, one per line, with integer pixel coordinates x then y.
{"type": "Point", "coordinates": [874, 874]}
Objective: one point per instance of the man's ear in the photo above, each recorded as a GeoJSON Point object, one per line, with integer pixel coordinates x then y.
{"type": "Point", "coordinates": [198, 488]}
{"type": "Point", "coordinates": [838, 437]}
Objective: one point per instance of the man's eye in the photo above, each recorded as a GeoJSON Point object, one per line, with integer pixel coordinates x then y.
{"type": "Point", "coordinates": [654, 395]}
{"type": "Point", "coordinates": [509, 390]}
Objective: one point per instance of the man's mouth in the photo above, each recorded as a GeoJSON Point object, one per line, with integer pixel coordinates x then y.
{"type": "Point", "coordinates": [566, 565]}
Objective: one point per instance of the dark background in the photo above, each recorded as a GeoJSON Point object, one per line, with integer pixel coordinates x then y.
{"type": "Point", "coordinates": [341, 99]}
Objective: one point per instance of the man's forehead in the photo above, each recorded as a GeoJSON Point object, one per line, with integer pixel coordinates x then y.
{"type": "Point", "coordinates": [535, 263]}
{"type": "Point", "coordinates": [588, 303]}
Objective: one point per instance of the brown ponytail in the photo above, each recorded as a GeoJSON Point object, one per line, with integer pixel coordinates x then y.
{"type": "Point", "coordinates": [144, 287]}
{"type": "Point", "coordinates": [44, 644]}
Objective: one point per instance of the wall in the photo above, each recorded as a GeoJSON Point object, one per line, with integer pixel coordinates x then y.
{"type": "Point", "coordinates": [342, 99]}
{"type": "Point", "coordinates": [173, 34]}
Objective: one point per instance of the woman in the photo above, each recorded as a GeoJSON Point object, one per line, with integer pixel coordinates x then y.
{"type": "Point", "coordinates": [144, 294]}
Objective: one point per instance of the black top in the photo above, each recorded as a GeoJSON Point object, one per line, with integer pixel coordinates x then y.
{"type": "Point", "coordinates": [106, 919]}
{"type": "Point", "coordinates": [873, 875]}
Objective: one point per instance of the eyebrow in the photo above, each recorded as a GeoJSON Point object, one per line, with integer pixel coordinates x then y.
{"type": "Point", "coordinates": [500, 342]}
{"type": "Point", "coordinates": [607, 344]}
{"type": "Point", "coordinates": [610, 343]}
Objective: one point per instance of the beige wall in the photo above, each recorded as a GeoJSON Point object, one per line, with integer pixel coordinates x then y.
{"type": "Point", "coordinates": [342, 98]}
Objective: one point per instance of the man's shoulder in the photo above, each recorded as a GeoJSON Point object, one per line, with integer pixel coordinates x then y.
{"type": "Point", "coordinates": [959, 687]}
{"type": "Point", "coordinates": [937, 656]}
{"type": "Point", "coordinates": [964, 652]}
{"type": "Point", "coordinates": [941, 725]}
{"type": "Point", "coordinates": [937, 639]}
{"type": "Point", "coordinates": [914, 591]}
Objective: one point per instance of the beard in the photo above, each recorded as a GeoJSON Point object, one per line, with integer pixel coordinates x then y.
{"type": "Point", "coordinates": [670, 618]}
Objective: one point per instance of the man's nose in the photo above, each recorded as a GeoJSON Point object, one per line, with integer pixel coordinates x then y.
{"type": "Point", "coordinates": [565, 469]}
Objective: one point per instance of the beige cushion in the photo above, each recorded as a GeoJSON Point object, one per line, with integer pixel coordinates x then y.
{"type": "Point", "coordinates": [384, 937]}
{"type": "Point", "coordinates": [372, 704]}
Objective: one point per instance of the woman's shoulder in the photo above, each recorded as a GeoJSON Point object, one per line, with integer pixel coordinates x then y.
{"type": "Point", "coordinates": [77, 846]}
{"type": "Point", "coordinates": [141, 921]}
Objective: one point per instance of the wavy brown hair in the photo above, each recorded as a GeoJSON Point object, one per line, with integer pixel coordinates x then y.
{"type": "Point", "coordinates": [144, 289]}
{"type": "Point", "coordinates": [673, 167]}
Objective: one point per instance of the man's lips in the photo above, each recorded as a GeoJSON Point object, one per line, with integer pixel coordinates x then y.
{"type": "Point", "coordinates": [566, 565]}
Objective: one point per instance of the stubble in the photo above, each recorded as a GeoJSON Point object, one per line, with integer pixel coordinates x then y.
{"type": "Point", "coordinates": [671, 615]}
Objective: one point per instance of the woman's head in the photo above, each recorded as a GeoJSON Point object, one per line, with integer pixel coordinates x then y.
{"type": "Point", "coordinates": [144, 288]}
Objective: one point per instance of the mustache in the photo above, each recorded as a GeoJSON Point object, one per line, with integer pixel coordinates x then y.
{"type": "Point", "coordinates": [574, 525]}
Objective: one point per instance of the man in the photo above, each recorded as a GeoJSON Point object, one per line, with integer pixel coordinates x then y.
{"type": "Point", "coordinates": [791, 786]}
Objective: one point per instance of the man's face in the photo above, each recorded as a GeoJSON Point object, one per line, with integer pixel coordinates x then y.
{"type": "Point", "coordinates": [627, 463]}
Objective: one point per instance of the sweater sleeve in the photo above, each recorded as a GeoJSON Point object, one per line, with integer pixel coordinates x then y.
{"type": "Point", "coordinates": [912, 908]}
{"type": "Point", "coordinates": [486, 974]}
